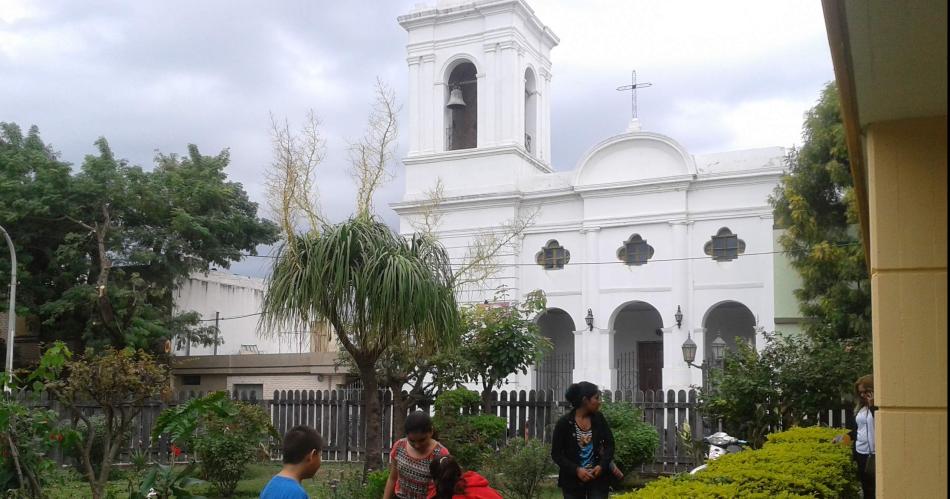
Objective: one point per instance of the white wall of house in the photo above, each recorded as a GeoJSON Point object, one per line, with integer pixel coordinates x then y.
{"type": "Point", "coordinates": [237, 300]}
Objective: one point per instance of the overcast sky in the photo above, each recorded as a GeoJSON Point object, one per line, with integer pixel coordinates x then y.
{"type": "Point", "coordinates": [158, 75]}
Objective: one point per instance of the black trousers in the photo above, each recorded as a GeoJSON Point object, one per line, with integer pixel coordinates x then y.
{"type": "Point", "coordinates": [867, 479]}
{"type": "Point", "coordinates": [585, 493]}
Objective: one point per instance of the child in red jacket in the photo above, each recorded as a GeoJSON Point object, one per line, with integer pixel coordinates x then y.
{"type": "Point", "coordinates": [451, 483]}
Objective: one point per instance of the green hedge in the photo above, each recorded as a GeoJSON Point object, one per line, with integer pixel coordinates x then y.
{"type": "Point", "coordinates": [801, 462]}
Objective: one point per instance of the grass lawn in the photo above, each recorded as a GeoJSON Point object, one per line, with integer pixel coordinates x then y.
{"type": "Point", "coordinates": [249, 487]}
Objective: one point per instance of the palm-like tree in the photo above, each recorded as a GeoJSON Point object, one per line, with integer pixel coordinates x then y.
{"type": "Point", "coordinates": [374, 287]}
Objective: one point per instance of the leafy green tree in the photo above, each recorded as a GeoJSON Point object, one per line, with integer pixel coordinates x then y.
{"type": "Point", "coordinates": [788, 383]}
{"type": "Point", "coordinates": [119, 382]}
{"type": "Point", "coordinates": [100, 250]}
{"type": "Point", "coordinates": [816, 207]}
{"type": "Point", "coordinates": [501, 339]}
{"type": "Point", "coordinates": [34, 187]}
{"type": "Point", "coordinates": [376, 289]}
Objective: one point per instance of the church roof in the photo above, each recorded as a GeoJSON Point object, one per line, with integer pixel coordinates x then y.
{"type": "Point", "coordinates": [634, 158]}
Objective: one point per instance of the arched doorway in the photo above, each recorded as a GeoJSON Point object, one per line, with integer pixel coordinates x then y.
{"type": "Point", "coordinates": [638, 347]}
{"type": "Point", "coordinates": [461, 116]}
{"type": "Point", "coordinates": [731, 321]}
{"type": "Point", "coordinates": [555, 370]}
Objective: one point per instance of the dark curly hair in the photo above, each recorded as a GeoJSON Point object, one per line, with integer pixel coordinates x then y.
{"type": "Point", "coordinates": [577, 392]}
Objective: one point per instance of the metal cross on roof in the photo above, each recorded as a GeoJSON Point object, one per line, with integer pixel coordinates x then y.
{"type": "Point", "coordinates": [633, 86]}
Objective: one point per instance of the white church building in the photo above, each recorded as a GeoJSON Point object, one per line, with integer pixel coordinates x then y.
{"type": "Point", "coordinates": [639, 229]}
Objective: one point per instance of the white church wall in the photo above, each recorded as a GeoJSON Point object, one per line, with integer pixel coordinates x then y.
{"type": "Point", "coordinates": [634, 182]}
{"type": "Point", "coordinates": [636, 205]}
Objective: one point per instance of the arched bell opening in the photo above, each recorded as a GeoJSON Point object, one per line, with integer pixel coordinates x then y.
{"type": "Point", "coordinates": [461, 107]}
{"type": "Point", "coordinates": [530, 112]}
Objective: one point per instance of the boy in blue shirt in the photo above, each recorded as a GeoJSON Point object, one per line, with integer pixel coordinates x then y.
{"type": "Point", "coordinates": [302, 448]}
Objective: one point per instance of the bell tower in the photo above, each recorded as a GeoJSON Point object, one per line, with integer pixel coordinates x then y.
{"type": "Point", "coordinates": [479, 100]}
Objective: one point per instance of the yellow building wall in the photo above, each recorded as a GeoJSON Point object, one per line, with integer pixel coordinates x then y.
{"type": "Point", "coordinates": [907, 191]}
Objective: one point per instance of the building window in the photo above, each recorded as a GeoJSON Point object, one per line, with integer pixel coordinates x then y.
{"type": "Point", "coordinates": [191, 380]}
{"type": "Point", "coordinates": [724, 246]}
{"type": "Point", "coordinates": [248, 391]}
{"type": "Point", "coordinates": [553, 256]}
{"type": "Point", "coordinates": [635, 251]}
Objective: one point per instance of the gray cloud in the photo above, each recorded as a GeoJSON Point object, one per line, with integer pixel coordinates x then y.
{"type": "Point", "coordinates": [159, 75]}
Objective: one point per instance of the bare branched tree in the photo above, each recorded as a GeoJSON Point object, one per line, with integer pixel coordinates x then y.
{"type": "Point", "coordinates": [427, 222]}
{"type": "Point", "coordinates": [291, 187]}
{"type": "Point", "coordinates": [480, 263]}
{"type": "Point", "coordinates": [370, 158]}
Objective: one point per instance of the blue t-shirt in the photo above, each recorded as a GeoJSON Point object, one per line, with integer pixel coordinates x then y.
{"type": "Point", "coordinates": [281, 487]}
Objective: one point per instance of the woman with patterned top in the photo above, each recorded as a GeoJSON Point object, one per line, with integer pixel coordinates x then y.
{"type": "Point", "coordinates": [409, 461]}
{"type": "Point", "coordinates": [582, 445]}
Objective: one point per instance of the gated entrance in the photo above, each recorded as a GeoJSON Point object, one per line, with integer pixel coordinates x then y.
{"type": "Point", "coordinates": [554, 372]}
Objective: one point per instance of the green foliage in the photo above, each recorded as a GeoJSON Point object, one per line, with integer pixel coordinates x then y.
{"type": "Point", "coordinates": [97, 450]}
{"type": "Point", "coordinates": [169, 481]}
{"type": "Point", "coordinates": [376, 483]}
{"type": "Point", "coordinates": [452, 403]}
{"type": "Point", "coordinates": [520, 467]}
{"type": "Point", "coordinates": [181, 422]}
{"type": "Point", "coordinates": [635, 440]}
{"type": "Point", "coordinates": [815, 205]}
{"type": "Point", "coordinates": [227, 443]}
{"type": "Point", "coordinates": [501, 339]}
{"type": "Point", "coordinates": [27, 435]}
{"type": "Point", "coordinates": [119, 381]}
{"type": "Point", "coordinates": [802, 434]}
{"type": "Point", "coordinates": [797, 463]}
{"type": "Point", "coordinates": [100, 250]}
{"type": "Point", "coordinates": [787, 383]}
{"type": "Point", "coordinates": [469, 436]}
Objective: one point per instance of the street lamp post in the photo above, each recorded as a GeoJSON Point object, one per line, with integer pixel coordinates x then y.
{"type": "Point", "coordinates": [689, 355]}
{"type": "Point", "coordinates": [11, 318]}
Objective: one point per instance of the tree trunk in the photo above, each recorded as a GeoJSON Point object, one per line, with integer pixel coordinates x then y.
{"type": "Point", "coordinates": [373, 460]}
{"type": "Point", "coordinates": [400, 410]}
{"type": "Point", "coordinates": [486, 399]}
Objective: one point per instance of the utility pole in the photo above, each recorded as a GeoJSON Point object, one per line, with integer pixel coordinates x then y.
{"type": "Point", "coordinates": [11, 317]}
{"type": "Point", "coordinates": [217, 318]}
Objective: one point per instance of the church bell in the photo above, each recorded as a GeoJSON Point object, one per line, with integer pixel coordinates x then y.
{"type": "Point", "coordinates": [455, 99]}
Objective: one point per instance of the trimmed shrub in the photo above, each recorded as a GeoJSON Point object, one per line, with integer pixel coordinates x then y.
{"type": "Point", "coordinates": [801, 462]}
{"type": "Point", "coordinates": [635, 439]}
{"type": "Point", "coordinates": [225, 445]}
{"type": "Point", "coordinates": [805, 434]}
{"type": "Point", "coordinates": [519, 468]}
{"type": "Point", "coordinates": [469, 437]}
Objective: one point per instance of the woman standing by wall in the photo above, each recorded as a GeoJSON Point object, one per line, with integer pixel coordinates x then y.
{"type": "Point", "coordinates": [864, 433]}
{"type": "Point", "coordinates": [582, 445]}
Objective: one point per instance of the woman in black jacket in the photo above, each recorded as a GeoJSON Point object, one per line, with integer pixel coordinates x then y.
{"type": "Point", "coordinates": [583, 446]}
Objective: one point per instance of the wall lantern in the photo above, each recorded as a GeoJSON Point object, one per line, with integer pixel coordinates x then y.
{"type": "Point", "coordinates": [689, 350]}
{"type": "Point", "coordinates": [589, 319]}
{"type": "Point", "coordinates": [678, 316]}
{"type": "Point", "coordinates": [718, 348]}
